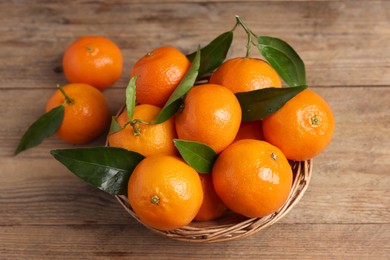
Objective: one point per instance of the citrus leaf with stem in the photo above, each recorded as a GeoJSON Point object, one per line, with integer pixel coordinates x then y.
{"type": "Point", "coordinates": [106, 168]}
{"type": "Point", "coordinates": [214, 53]}
{"type": "Point", "coordinates": [199, 156]}
{"type": "Point", "coordinates": [45, 126]}
{"type": "Point", "coordinates": [284, 59]}
{"type": "Point", "coordinates": [175, 100]}
{"type": "Point", "coordinates": [258, 104]}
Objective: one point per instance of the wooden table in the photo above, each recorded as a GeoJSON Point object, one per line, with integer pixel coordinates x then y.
{"type": "Point", "coordinates": [46, 212]}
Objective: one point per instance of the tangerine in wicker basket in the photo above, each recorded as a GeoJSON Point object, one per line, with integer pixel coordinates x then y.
{"type": "Point", "coordinates": [254, 183]}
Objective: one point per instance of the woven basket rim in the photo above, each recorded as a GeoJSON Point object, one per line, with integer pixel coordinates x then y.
{"type": "Point", "coordinates": [233, 226]}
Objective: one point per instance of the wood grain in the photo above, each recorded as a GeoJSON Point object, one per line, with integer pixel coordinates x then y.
{"type": "Point", "coordinates": [132, 241]}
{"type": "Point", "coordinates": [341, 32]}
{"type": "Point", "coordinates": [48, 213]}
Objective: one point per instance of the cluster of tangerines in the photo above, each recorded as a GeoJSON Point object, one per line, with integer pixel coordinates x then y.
{"type": "Point", "coordinates": [251, 174]}
{"type": "Point", "coordinates": [91, 64]}
{"type": "Point", "coordinates": [78, 112]}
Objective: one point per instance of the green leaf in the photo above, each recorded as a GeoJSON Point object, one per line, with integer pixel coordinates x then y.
{"type": "Point", "coordinates": [258, 104]}
{"type": "Point", "coordinates": [199, 156]}
{"type": "Point", "coordinates": [214, 53]}
{"type": "Point", "coordinates": [175, 100]}
{"type": "Point", "coordinates": [114, 127]}
{"type": "Point", "coordinates": [106, 168]}
{"type": "Point", "coordinates": [45, 126]}
{"type": "Point", "coordinates": [130, 97]}
{"type": "Point", "coordinates": [283, 59]}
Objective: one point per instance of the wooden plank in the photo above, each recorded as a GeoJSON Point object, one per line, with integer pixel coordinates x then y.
{"type": "Point", "coordinates": [281, 241]}
{"type": "Point", "coordinates": [337, 40]}
{"type": "Point", "coordinates": [36, 190]}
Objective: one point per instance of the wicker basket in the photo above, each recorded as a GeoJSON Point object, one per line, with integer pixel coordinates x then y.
{"type": "Point", "coordinates": [234, 226]}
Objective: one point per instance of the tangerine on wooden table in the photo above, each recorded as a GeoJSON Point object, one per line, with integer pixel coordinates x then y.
{"type": "Point", "coordinates": [165, 192]}
{"type": "Point", "coordinates": [160, 72]}
{"type": "Point", "coordinates": [86, 114]}
{"type": "Point", "coordinates": [93, 60]}
{"type": "Point", "coordinates": [151, 139]}
{"type": "Point", "coordinates": [252, 177]}
{"type": "Point", "coordinates": [302, 128]}
{"type": "Point", "coordinates": [245, 74]}
{"type": "Point", "coordinates": [211, 115]}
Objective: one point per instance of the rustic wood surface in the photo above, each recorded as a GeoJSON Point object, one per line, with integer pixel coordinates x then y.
{"type": "Point", "coordinates": [46, 212]}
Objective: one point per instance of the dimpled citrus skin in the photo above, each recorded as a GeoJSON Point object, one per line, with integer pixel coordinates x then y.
{"type": "Point", "coordinates": [93, 60]}
{"type": "Point", "coordinates": [86, 118]}
{"type": "Point", "coordinates": [211, 115]}
{"type": "Point", "coordinates": [152, 139]}
{"type": "Point", "coordinates": [302, 128]}
{"type": "Point", "coordinates": [245, 74]}
{"type": "Point", "coordinates": [165, 192]}
{"type": "Point", "coordinates": [252, 177]}
{"type": "Point", "coordinates": [160, 72]}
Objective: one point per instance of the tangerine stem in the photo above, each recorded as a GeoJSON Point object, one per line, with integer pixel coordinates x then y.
{"type": "Point", "coordinates": [89, 48]}
{"type": "Point", "coordinates": [155, 200]}
{"type": "Point", "coordinates": [68, 99]}
{"type": "Point", "coordinates": [249, 33]}
{"type": "Point", "coordinates": [315, 120]}
{"type": "Point", "coordinates": [235, 26]}
{"type": "Point", "coordinates": [134, 123]}
{"type": "Point", "coordinates": [135, 128]}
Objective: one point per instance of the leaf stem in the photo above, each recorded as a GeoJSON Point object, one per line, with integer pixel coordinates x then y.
{"type": "Point", "coordinates": [249, 33]}
{"type": "Point", "coordinates": [68, 100]}
{"type": "Point", "coordinates": [235, 25]}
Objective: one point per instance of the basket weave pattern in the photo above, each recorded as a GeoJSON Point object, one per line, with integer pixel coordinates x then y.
{"type": "Point", "coordinates": [234, 226]}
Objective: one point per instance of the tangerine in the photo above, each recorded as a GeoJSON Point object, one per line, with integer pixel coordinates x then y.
{"type": "Point", "coordinates": [302, 128]}
{"type": "Point", "coordinates": [93, 60]}
{"type": "Point", "coordinates": [86, 114]}
{"type": "Point", "coordinates": [160, 72]}
{"type": "Point", "coordinates": [165, 192]}
{"type": "Point", "coordinates": [211, 115]}
{"type": "Point", "coordinates": [151, 139]}
{"type": "Point", "coordinates": [252, 177]}
{"type": "Point", "coordinates": [245, 74]}
{"type": "Point", "coordinates": [212, 206]}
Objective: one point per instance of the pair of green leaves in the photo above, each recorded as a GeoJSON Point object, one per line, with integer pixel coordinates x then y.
{"type": "Point", "coordinates": [261, 103]}
{"type": "Point", "coordinates": [109, 168]}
